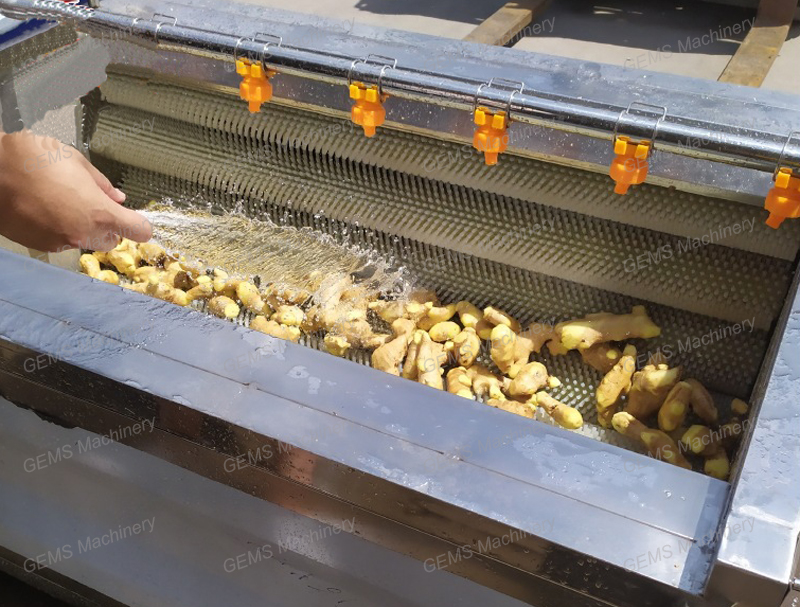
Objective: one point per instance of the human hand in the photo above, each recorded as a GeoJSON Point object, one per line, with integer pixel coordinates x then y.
{"type": "Point", "coordinates": [52, 198]}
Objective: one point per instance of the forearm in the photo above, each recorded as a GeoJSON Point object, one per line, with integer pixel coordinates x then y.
{"type": "Point", "coordinates": [52, 198]}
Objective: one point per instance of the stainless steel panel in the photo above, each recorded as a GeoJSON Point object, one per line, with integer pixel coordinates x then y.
{"type": "Point", "coordinates": [414, 458]}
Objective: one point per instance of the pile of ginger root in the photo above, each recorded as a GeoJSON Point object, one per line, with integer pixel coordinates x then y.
{"type": "Point", "coordinates": [440, 346]}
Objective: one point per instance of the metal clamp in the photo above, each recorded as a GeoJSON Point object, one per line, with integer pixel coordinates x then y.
{"type": "Point", "coordinates": [783, 152]}
{"type": "Point", "coordinates": [270, 39]}
{"type": "Point", "coordinates": [516, 87]}
{"type": "Point", "coordinates": [662, 111]}
{"type": "Point", "coordinates": [161, 23]}
{"type": "Point", "coordinates": [382, 60]}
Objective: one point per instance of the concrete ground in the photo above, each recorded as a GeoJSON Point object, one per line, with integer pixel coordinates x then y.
{"type": "Point", "coordinates": [658, 35]}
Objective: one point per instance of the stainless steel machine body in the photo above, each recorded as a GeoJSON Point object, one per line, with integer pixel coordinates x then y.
{"type": "Point", "coordinates": [549, 517]}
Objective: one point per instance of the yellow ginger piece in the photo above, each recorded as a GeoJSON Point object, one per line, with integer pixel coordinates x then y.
{"type": "Point", "coordinates": [604, 326]}
{"type": "Point", "coordinates": [152, 254]}
{"type": "Point", "coordinates": [466, 347]}
{"type": "Point", "coordinates": [556, 348]}
{"type": "Point", "coordinates": [410, 364]}
{"type": "Point", "coordinates": [389, 310]}
{"type": "Point", "coordinates": [739, 407]}
{"type": "Point", "coordinates": [360, 334]}
{"type": "Point", "coordinates": [564, 415]}
{"type": "Point", "coordinates": [468, 314]}
{"type": "Point", "coordinates": [540, 333]}
{"type": "Point", "coordinates": [718, 465]}
{"type": "Point", "coordinates": [388, 357]}
{"type": "Point", "coordinates": [176, 277]}
{"type": "Point", "coordinates": [512, 406]}
{"type": "Point", "coordinates": [459, 382]}
{"type": "Point", "coordinates": [649, 389]}
{"type": "Point", "coordinates": [291, 316]}
{"type": "Point", "coordinates": [435, 315]}
{"type": "Point", "coordinates": [485, 383]}
{"type": "Point", "coordinates": [503, 347]}
{"type": "Point", "coordinates": [224, 307]}
{"type": "Point", "coordinates": [248, 294]}
{"type": "Point", "coordinates": [523, 346]}
{"type": "Point", "coordinates": [530, 379]}
{"type": "Point", "coordinates": [443, 331]}
{"type": "Point", "coordinates": [676, 405]}
{"type": "Point", "coordinates": [270, 327]}
{"type": "Point", "coordinates": [165, 292]}
{"type": "Point", "coordinates": [430, 357]}
{"type": "Point", "coordinates": [102, 257]}
{"type": "Point", "coordinates": [194, 268]}
{"type": "Point", "coordinates": [203, 290]}
{"type": "Point", "coordinates": [219, 280]}
{"type": "Point", "coordinates": [615, 385]}
{"type": "Point", "coordinates": [484, 328]}
{"type": "Point", "coordinates": [658, 443]}
{"type": "Point", "coordinates": [123, 261]}
{"type": "Point", "coordinates": [144, 273]}
{"type": "Point", "coordinates": [703, 403]}
{"type": "Point", "coordinates": [90, 266]}
{"type": "Point", "coordinates": [701, 440]}
{"type": "Point", "coordinates": [131, 248]}
{"type": "Point", "coordinates": [277, 295]}
{"type": "Point", "coordinates": [337, 345]}
{"type": "Point", "coordinates": [498, 317]}
{"type": "Point", "coordinates": [602, 356]}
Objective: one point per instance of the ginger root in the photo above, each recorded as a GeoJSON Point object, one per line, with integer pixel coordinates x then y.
{"type": "Point", "coordinates": [388, 357]}
{"type": "Point", "coordinates": [430, 357]}
{"type": "Point", "coordinates": [291, 316]}
{"type": "Point", "coordinates": [248, 294]}
{"type": "Point", "coordinates": [485, 383]}
{"type": "Point", "coordinates": [718, 465]}
{"type": "Point", "coordinates": [122, 260]}
{"type": "Point", "coordinates": [436, 315]}
{"type": "Point", "coordinates": [443, 331]}
{"type": "Point", "coordinates": [564, 415]}
{"type": "Point", "coordinates": [614, 385]}
{"type": "Point", "coordinates": [270, 327]}
{"type": "Point", "coordinates": [649, 388]}
{"type": "Point", "coordinates": [201, 291]}
{"type": "Point", "coordinates": [540, 333]}
{"type": "Point", "coordinates": [336, 345]}
{"type": "Point", "coordinates": [604, 327]}
{"type": "Point", "coordinates": [658, 443]}
{"type": "Point", "coordinates": [673, 411]}
{"type": "Point", "coordinates": [90, 266]}
{"type": "Point", "coordinates": [459, 382]}
{"type": "Point", "coordinates": [702, 403]}
{"type": "Point", "coordinates": [223, 307]}
{"type": "Point", "coordinates": [512, 406]}
{"type": "Point", "coordinates": [498, 317]}
{"type": "Point", "coordinates": [601, 356]}
{"type": "Point", "coordinates": [468, 314]}
{"type": "Point", "coordinates": [701, 440]}
{"type": "Point", "coordinates": [531, 378]}
{"type": "Point", "coordinates": [466, 347]}
{"type": "Point", "coordinates": [739, 407]}
{"type": "Point", "coordinates": [503, 347]}
{"type": "Point", "coordinates": [152, 254]}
